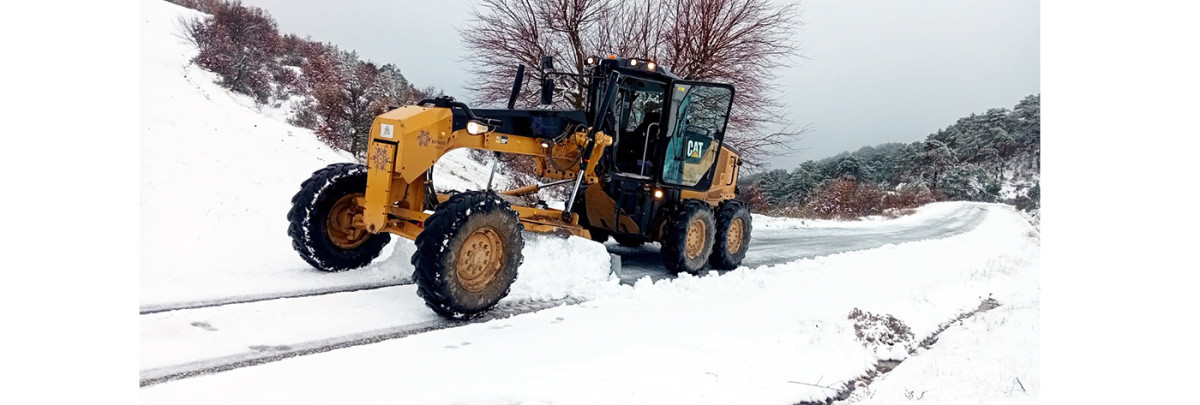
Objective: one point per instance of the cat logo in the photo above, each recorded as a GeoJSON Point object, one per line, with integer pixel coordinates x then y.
{"type": "Point", "coordinates": [695, 149]}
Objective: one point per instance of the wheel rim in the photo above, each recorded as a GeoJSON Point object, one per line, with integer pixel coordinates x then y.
{"type": "Point", "coordinates": [733, 239]}
{"type": "Point", "coordinates": [340, 223]}
{"type": "Point", "coordinates": [480, 259]}
{"type": "Point", "coordinates": [695, 238]}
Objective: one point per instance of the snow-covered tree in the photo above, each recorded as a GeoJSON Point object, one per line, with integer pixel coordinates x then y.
{"type": "Point", "coordinates": [973, 159]}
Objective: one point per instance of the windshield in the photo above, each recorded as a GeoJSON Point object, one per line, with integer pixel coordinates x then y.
{"type": "Point", "coordinates": [698, 115]}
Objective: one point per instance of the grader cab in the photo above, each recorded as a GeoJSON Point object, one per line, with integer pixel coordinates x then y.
{"type": "Point", "coordinates": [645, 162]}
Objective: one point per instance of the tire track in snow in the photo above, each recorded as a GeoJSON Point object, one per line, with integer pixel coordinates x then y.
{"type": "Point", "coordinates": [268, 354]}
{"type": "Point", "coordinates": [243, 299]}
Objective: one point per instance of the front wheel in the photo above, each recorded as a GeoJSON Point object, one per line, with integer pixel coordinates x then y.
{"type": "Point", "coordinates": [732, 236]}
{"type": "Point", "coordinates": [322, 218]}
{"type": "Point", "coordinates": [688, 237]}
{"type": "Point", "coordinates": [467, 256]}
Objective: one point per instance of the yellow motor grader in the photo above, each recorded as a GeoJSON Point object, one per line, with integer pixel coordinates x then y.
{"type": "Point", "coordinates": [644, 162]}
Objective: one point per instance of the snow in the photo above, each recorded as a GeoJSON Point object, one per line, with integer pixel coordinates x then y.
{"type": "Point", "coordinates": [921, 214]}
{"type": "Point", "coordinates": [218, 174]}
{"type": "Point", "coordinates": [557, 268]}
{"type": "Point", "coordinates": [956, 371]}
{"type": "Point", "coordinates": [217, 177]}
{"type": "Point", "coordinates": [458, 172]}
{"type": "Point", "coordinates": [180, 337]}
{"type": "Point", "coordinates": [773, 334]}
{"type": "Point", "coordinates": [989, 358]}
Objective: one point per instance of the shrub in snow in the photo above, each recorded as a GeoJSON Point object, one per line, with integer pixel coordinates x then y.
{"type": "Point", "coordinates": [238, 43]}
{"type": "Point", "coordinates": [910, 195]}
{"type": "Point", "coordinates": [1031, 201]}
{"type": "Point", "coordinates": [880, 330]}
{"type": "Point", "coordinates": [329, 90]}
{"type": "Point", "coordinates": [845, 199]}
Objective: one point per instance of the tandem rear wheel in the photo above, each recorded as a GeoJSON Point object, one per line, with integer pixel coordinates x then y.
{"type": "Point", "coordinates": [732, 235]}
{"type": "Point", "coordinates": [688, 237]}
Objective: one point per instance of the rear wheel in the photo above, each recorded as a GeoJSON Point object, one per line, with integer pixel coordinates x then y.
{"type": "Point", "coordinates": [467, 256]}
{"type": "Point", "coordinates": [732, 236]}
{"type": "Point", "coordinates": [323, 217]}
{"type": "Point", "coordinates": [688, 238]}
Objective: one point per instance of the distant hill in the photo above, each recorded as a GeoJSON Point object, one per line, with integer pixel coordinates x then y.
{"type": "Point", "coordinates": [990, 157]}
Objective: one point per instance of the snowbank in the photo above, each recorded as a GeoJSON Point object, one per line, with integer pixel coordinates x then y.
{"type": "Point", "coordinates": [990, 358]}
{"type": "Point", "coordinates": [923, 213]}
{"type": "Point", "coordinates": [557, 267]}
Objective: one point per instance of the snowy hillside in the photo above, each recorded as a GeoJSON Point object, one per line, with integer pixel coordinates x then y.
{"type": "Point", "coordinates": [217, 177]}
{"type": "Point", "coordinates": [816, 310]}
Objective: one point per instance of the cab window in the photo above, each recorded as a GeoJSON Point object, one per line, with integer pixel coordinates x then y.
{"type": "Point", "coordinates": [699, 112]}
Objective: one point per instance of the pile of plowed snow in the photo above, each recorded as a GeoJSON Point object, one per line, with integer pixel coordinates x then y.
{"type": "Point", "coordinates": [217, 177]}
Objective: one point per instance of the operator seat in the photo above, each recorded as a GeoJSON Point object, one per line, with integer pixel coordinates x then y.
{"type": "Point", "coordinates": [631, 150]}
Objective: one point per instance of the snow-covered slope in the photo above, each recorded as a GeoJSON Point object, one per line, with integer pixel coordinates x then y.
{"type": "Point", "coordinates": [217, 177]}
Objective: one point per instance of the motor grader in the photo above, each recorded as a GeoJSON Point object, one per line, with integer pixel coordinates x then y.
{"type": "Point", "coordinates": [645, 162]}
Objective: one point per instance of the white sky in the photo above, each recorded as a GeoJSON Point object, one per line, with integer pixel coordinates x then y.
{"type": "Point", "coordinates": [875, 70]}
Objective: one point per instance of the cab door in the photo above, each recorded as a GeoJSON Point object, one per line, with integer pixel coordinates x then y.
{"type": "Point", "coordinates": [698, 116]}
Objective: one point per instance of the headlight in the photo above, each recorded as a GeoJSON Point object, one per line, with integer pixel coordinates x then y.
{"type": "Point", "coordinates": [476, 127]}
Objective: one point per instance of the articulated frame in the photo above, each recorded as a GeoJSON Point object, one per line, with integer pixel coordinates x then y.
{"type": "Point", "coordinates": [408, 141]}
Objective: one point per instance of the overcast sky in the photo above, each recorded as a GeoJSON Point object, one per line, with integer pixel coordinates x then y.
{"type": "Point", "coordinates": [875, 70]}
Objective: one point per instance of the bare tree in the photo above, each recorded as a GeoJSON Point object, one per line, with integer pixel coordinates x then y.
{"type": "Point", "coordinates": [739, 42]}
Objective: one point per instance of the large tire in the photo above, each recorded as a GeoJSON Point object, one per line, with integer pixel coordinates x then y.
{"type": "Point", "coordinates": [325, 241]}
{"type": "Point", "coordinates": [629, 241]}
{"type": "Point", "coordinates": [467, 256]}
{"type": "Point", "coordinates": [688, 237]}
{"type": "Point", "coordinates": [732, 236]}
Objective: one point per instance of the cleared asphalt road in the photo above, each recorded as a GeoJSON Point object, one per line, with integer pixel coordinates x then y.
{"type": "Point", "coordinates": [775, 246]}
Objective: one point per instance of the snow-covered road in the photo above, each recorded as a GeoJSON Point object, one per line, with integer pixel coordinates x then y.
{"type": "Point", "coordinates": [178, 344]}
{"type": "Point", "coordinates": [770, 334]}
{"type": "Point", "coordinates": [180, 341]}
{"type": "Point", "coordinates": [785, 240]}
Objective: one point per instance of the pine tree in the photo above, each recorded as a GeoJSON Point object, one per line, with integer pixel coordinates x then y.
{"type": "Point", "coordinates": [938, 157]}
